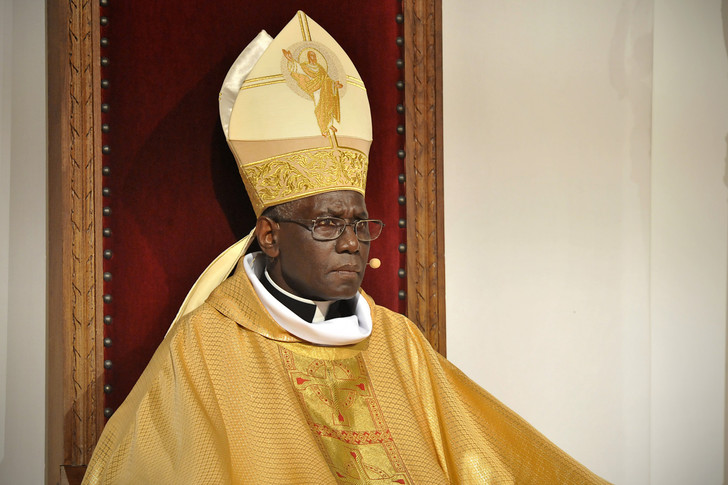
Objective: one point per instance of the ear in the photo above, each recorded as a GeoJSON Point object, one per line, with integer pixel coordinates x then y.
{"type": "Point", "coordinates": [266, 230]}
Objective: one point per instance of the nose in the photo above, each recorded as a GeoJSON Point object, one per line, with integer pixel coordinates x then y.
{"type": "Point", "coordinates": [348, 242]}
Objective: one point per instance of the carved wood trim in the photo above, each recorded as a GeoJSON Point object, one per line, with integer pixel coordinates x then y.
{"type": "Point", "coordinates": [423, 112]}
{"type": "Point", "coordinates": [75, 331]}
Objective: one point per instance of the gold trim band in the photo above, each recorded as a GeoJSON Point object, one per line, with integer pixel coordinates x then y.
{"type": "Point", "coordinates": [302, 173]}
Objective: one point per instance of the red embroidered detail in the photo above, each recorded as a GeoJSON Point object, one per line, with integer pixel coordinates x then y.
{"type": "Point", "coordinates": [343, 388]}
{"type": "Point", "coordinates": [334, 385]}
{"type": "Point", "coordinates": [359, 471]}
{"type": "Point", "coordinates": [353, 437]}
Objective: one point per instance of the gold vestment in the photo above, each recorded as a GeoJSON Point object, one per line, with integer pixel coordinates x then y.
{"type": "Point", "coordinates": [231, 397]}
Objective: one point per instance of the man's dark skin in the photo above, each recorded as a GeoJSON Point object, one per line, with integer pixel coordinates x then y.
{"type": "Point", "coordinates": [305, 267]}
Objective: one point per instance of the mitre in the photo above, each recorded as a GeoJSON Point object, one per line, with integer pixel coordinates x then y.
{"type": "Point", "coordinates": [296, 116]}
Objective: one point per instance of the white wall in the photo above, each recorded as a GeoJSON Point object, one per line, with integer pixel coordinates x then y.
{"type": "Point", "coordinates": [22, 240]}
{"type": "Point", "coordinates": [689, 178]}
{"type": "Point", "coordinates": [586, 286]}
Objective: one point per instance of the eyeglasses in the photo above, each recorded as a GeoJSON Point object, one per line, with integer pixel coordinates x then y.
{"type": "Point", "coordinates": [327, 228]}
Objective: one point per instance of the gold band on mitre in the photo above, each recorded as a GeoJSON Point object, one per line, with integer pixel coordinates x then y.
{"type": "Point", "coordinates": [300, 124]}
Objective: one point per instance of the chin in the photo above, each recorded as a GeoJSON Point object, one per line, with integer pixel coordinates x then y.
{"type": "Point", "coordinates": [338, 289]}
{"type": "Point", "coordinates": [343, 293]}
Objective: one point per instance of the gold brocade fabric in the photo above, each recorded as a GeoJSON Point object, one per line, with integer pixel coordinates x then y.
{"type": "Point", "coordinates": [231, 397]}
{"type": "Point", "coordinates": [303, 173]}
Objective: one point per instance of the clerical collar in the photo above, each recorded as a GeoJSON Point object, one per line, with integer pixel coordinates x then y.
{"type": "Point", "coordinates": [309, 310]}
{"type": "Point", "coordinates": [354, 327]}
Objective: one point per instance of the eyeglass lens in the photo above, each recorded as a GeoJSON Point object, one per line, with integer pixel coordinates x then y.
{"type": "Point", "coordinates": [333, 227]}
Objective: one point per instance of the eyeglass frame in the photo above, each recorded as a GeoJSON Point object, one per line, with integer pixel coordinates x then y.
{"type": "Point", "coordinates": [310, 224]}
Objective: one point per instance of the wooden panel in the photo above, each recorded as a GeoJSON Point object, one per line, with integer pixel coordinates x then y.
{"type": "Point", "coordinates": [423, 105]}
{"type": "Point", "coordinates": [74, 412]}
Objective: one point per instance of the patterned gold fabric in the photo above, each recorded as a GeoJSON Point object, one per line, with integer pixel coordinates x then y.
{"type": "Point", "coordinates": [231, 397]}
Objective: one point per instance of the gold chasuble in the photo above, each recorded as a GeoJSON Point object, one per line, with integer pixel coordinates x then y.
{"type": "Point", "coordinates": [231, 397]}
{"type": "Point", "coordinates": [237, 394]}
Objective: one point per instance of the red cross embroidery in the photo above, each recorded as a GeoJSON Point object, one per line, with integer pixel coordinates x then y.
{"type": "Point", "coordinates": [334, 385]}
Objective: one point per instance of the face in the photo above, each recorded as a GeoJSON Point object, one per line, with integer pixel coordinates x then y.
{"type": "Point", "coordinates": [321, 270]}
{"type": "Point", "coordinates": [312, 57]}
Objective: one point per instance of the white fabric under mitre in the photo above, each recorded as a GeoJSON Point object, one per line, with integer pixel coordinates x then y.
{"type": "Point", "coordinates": [238, 73]}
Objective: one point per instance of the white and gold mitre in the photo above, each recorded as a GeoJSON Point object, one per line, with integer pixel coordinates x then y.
{"type": "Point", "coordinates": [296, 116]}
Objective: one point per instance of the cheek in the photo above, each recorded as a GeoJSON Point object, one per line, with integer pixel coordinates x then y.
{"type": "Point", "coordinates": [310, 263]}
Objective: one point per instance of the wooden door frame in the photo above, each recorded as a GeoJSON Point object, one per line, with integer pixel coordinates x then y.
{"type": "Point", "coordinates": [74, 382]}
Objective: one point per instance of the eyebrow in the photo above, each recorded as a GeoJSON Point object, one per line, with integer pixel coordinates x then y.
{"type": "Point", "coordinates": [339, 213]}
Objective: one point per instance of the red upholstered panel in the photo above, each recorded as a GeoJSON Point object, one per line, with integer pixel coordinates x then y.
{"type": "Point", "coordinates": [176, 198]}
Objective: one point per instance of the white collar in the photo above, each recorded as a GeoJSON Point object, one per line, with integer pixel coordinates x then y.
{"type": "Point", "coordinates": [321, 306]}
{"type": "Point", "coordinates": [336, 331]}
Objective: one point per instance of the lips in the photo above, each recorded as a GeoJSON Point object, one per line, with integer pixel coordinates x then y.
{"type": "Point", "coordinates": [347, 268]}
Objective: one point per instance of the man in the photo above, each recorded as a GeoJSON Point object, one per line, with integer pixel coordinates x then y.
{"type": "Point", "coordinates": [284, 371]}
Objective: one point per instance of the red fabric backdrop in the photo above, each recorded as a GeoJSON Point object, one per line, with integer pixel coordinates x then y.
{"type": "Point", "coordinates": [176, 198]}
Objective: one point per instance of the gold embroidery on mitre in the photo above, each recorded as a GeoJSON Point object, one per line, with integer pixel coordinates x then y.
{"type": "Point", "coordinates": [303, 21]}
{"type": "Point", "coordinates": [262, 81]}
{"type": "Point", "coordinates": [314, 72]}
{"type": "Point", "coordinates": [302, 173]}
{"type": "Point", "coordinates": [355, 81]}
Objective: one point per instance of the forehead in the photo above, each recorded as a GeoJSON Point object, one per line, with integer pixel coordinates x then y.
{"type": "Point", "coordinates": [339, 203]}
